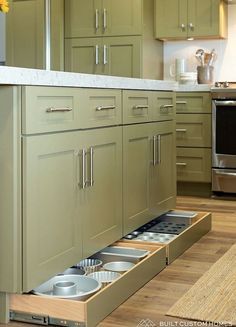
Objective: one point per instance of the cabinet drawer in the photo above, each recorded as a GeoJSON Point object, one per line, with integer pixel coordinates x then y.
{"type": "Point", "coordinates": [193, 130]}
{"type": "Point", "coordinates": [137, 106]}
{"type": "Point", "coordinates": [90, 312]}
{"type": "Point", "coordinates": [193, 164]}
{"type": "Point", "coordinates": [99, 107]}
{"type": "Point", "coordinates": [48, 109]}
{"type": "Point", "coordinates": [164, 105]}
{"type": "Point", "coordinates": [194, 102]}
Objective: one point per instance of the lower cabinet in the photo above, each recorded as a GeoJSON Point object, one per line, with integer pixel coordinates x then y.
{"type": "Point", "coordinates": [71, 187]}
{"type": "Point", "coordinates": [148, 172]}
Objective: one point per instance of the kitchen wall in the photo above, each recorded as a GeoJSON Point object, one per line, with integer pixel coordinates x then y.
{"type": "Point", "coordinates": [2, 37]}
{"type": "Point", "coordinates": [225, 65]}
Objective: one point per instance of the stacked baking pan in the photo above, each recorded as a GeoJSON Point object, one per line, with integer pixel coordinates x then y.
{"type": "Point", "coordinates": [164, 228]}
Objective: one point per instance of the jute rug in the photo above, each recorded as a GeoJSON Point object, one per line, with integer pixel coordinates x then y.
{"type": "Point", "coordinates": [213, 297]}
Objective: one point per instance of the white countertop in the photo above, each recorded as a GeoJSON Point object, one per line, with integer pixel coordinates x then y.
{"type": "Point", "coordinates": [193, 88]}
{"type": "Point", "coordinates": [25, 76]}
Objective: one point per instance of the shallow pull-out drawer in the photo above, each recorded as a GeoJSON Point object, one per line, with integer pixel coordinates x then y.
{"type": "Point", "coordinates": [193, 130]}
{"type": "Point", "coordinates": [137, 106]}
{"type": "Point", "coordinates": [99, 107]}
{"type": "Point", "coordinates": [96, 308]}
{"type": "Point", "coordinates": [181, 242]}
{"type": "Point", "coordinates": [49, 109]}
{"type": "Point", "coordinates": [163, 105]}
{"type": "Point", "coordinates": [193, 164]}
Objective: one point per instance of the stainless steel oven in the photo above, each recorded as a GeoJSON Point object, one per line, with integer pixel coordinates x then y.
{"type": "Point", "coordinates": [224, 140]}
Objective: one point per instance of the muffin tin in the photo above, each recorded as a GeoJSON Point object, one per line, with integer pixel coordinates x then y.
{"type": "Point", "coordinates": [155, 237]}
{"type": "Point", "coordinates": [168, 227]}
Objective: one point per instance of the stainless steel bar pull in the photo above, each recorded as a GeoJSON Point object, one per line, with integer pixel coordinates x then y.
{"type": "Point", "coordinates": [183, 27]}
{"type": "Point", "coordinates": [104, 18]}
{"type": "Point", "coordinates": [105, 60]}
{"type": "Point", "coordinates": [58, 109]}
{"type": "Point", "coordinates": [91, 180]}
{"type": "Point", "coordinates": [167, 106]}
{"type": "Point", "coordinates": [181, 102]}
{"type": "Point", "coordinates": [181, 164]}
{"type": "Point", "coordinates": [191, 26]}
{"type": "Point", "coordinates": [159, 149]}
{"type": "Point", "coordinates": [141, 106]}
{"type": "Point", "coordinates": [96, 55]}
{"type": "Point", "coordinates": [154, 150]}
{"type": "Point", "coordinates": [82, 183]}
{"type": "Point", "coordinates": [100, 108]}
{"type": "Point", "coordinates": [96, 19]}
{"type": "Point", "coordinates": [181, 130]}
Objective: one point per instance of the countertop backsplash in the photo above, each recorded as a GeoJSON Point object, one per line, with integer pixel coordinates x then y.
{"type": "Point", "coordinates": [224, 66]}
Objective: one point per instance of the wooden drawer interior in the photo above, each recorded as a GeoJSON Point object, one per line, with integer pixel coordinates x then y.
{"type": "Point", "coordinates": [96, 308]}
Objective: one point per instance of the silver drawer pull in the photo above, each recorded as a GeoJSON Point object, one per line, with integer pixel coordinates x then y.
{"type": "Point", "coordinates": [166, 106]}
{"type": "Point", "coordinates": [57, 109]}
{"type": "Point", "coordinates": [181, 130]}
{"type": "Point", "coordinates": [100, 108]}
{"type": "Point", "coordinates": [181, 102]}
{"type": "Point", "coordinates": [141, 106]}
{"type": "Point", "coordinates": [181, 164]}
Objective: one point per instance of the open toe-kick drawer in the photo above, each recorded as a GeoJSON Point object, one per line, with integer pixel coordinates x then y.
{"type": "Point", "coordinates": [63, 312]}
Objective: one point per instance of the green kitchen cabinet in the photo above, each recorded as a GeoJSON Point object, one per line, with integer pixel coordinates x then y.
{"type": "Point", "coordinates": [25, 41]}
{"type": "Point", "coordinates": [181, 19]}
{"type": "Point", "coordinates": [72, 199]}
{"type": "Point", "coordinates": [148, 173]}
{"type": "Point", "coordinates": [116, 56]}
{"type": "Point", "coordinates": [102, 17]}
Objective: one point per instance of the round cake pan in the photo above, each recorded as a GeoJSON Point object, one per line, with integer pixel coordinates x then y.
{"type": "Point", "coordinates": [73, 271]}
{"type": "Point", "coordinates": [105, 277]}
{"type": "Point", "coordinates": [85, 287]}
{"type": "Point", "coordinates": [64, 288]}
{"type": "Point", "coordinates": [90, 265]}
{"type": "Point", "coordinates": [119, 266]}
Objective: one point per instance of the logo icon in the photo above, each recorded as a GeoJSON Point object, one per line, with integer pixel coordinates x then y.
{"type": "Point", "coordinates": [146, 323]}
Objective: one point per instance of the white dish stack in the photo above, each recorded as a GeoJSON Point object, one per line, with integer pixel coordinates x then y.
{"type": "Point", "coordinates": [188, 78]}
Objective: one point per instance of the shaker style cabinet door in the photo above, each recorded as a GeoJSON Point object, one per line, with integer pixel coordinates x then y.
{"type": "Point", "coordinates": [52, 233]}
{"type": "Point", "coordinates": [100, 199]}
{"type": "Point", "coordinates": [102, 18]}
{"type": "Point", "coordinates": [163, 171]}
{"type": "Point", "coordinates": [136, 165]}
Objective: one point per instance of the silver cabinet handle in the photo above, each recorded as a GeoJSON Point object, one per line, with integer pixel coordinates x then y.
{"type": "Point", "coordinates": [141, 106]}
{"type": "Point", "coordinates": [154, 150]}
{"type": "Point", "coordinates": [181, 130]}
{"type": "Point", "coordinates": [96, 55]}
{"type": "Point", "coordinates": [183, 27]}
{"type": "Point", "coordinates": [82, 183]}
{"type": "Point", "coordinates": [96, 19]}
{"type": "Point", "coordinates": [105, 55]}
{"type": "Point", "coordinates": [159, 149]}
{"type": "Point", "coordinates": [104, 18]}
{"type": "Point", "coordinates": [181, 102]}
{"type": "Point", "coordinates": [100, 108]}
{"type": "Point", "coordinates": [91, 180]}
{"type": "Point", "coordinates": [166, 106]}
{"type": "Point", "coordinates": [191, 26]}
{"type": "Point", "coordinates": [58, 109]}
{"type": "Point", "coordinates": [181, 164]}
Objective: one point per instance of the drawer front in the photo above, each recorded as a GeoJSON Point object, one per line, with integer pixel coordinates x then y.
{"type": "Point", "coordinates": [193, 165]}
{"type": "Point", "coordinates": [99, 107]}
{"type": "Point", "coordinates": [137, 106]}
{"type": "Point", "coordinates": [193, 130]}
{"type": "Point", "coordinates": [164, 105]}
{"type": "Point", "coordinates": [48, 109]}
{"type": "Point", "coordinates": [97, 307]}
{"type": "Point", "coordinates": [187, 102]}
{"type": "Point", "coordinates": [189, 236]}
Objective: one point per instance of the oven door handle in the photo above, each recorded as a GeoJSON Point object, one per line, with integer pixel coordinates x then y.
{"type": "Point", "coordinates": [226, 174]}
{"type": "Point", "coordinates": [225, 103]}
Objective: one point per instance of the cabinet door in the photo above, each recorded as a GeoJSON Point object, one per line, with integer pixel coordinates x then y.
{"type": "Point", "coordinates": [122, 56]}
{"type": "Point", "coordinates": [82, 18]}
{"type": "Point", "coordinates": [84, 55]}
{"type": "Point", "coordinates": [204, 18]}
{"type": "Point", "coordinates": [123, 17]}
{"type": "Point", "coordinates": [163, 171]}
{"type": "Point", "coordinates": [51, 219]}
{"type": "Point", "coordinates": [171, 19]}
{"type": "Point", "coordinates": [136, 165]}
{"type": "Point", "coordinates": [101, 200]}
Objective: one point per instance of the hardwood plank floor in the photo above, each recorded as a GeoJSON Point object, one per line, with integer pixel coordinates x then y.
{"type": "Point", "coordinates": [153, 300]}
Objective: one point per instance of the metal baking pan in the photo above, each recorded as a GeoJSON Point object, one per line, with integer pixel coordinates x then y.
{"type": "Point", "coordinates": [120, 253]}
{"type": "Point", "coordinates": [176, 216]}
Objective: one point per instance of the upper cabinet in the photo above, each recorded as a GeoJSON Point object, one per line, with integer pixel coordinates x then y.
{"type": "Point", "coordinates": [182, 19]}
{"type": "Point", "coordinates": [103, 17]}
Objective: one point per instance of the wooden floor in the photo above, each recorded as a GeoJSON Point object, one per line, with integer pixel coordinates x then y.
{"type": "Point", "coordinates": [152, 301]}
